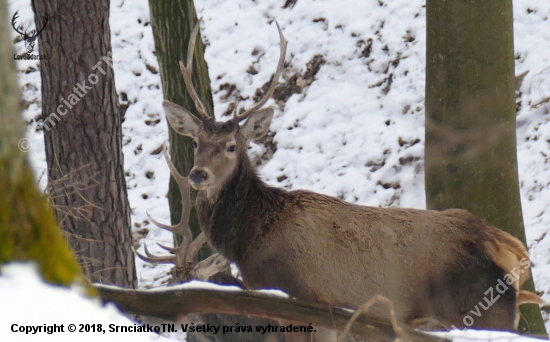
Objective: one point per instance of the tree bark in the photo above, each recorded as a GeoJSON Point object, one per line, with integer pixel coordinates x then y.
{"type": "Point", "coordinates": [83, 136]}
{"type": "Point", "coordinates": [471, 156]}
{"type": "Point", "coordinates": [28, 230]}
{"type": "Point", "coordinates": [172, 22]}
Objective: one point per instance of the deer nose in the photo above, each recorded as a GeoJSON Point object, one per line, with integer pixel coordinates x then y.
{"type": "Point", "coordinates": [198, 176]}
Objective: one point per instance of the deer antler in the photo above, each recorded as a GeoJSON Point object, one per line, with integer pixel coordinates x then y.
{"type": "Point", "coordinates": [37, 33]}
{"type": "Point", "coordinates": [28, 38]}
{"type": "Point", "coordinates": [13, 20]}
{"type": "Point", "coordinates": [185, 253]}
{"type": "Point", "coordinates": [188, 71]}
{"type": "Point", "coordinates": [273, 84]}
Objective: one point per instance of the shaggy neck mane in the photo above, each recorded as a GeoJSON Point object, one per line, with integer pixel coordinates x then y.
{"type": "Point", "coordinates": [242, 212]}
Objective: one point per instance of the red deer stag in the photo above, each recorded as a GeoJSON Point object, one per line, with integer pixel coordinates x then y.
{"type": "Point", "coordinates": [207, 270]}
{"type": "Point", "coordinates": [433, 265]}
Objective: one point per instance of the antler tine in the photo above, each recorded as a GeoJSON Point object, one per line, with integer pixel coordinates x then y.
{"type": "Point", "coordinates": [180, 252]}
{"type": "Point", "coordinates": [195, 246]}
{"type": "Point", "coordinates": [210, 266]}
{"type": "Point", "coordinates": [182, 228]}
{"type": "Point", "coordinates": [188, 72]}
{"type": "Point", "coordinates": [274, 82]}
{"type": "Point", "coordinates": [153, 259]}
{"type": "Point", "coordinates": [235, 111]}
{"type": "Point", "coordinates": [13, 20]}
{"type": "Point", "coordinates": [191, 46]}
{"type": "Point", "coordinates": [182, 181]}
{"type": "Point", "coordinates": [184, 186]}
{"type": "Point", "coordinates": [172, 250]}
{"type": "Point", "coordinates": [162, 225]}
{"type": "Point", "coordinates": [35, 35]}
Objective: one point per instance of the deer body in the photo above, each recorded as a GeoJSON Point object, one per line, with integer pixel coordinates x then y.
{"type": "Point", "coordinates": [430, 264]}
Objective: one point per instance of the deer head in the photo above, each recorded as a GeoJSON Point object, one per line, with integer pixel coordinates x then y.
{"type": "Point", "coordinates": [183, 256]}
{"type": "Point", "coordinates": [218, 145]}
{"type": "Point", "coordinates": [29, 39]}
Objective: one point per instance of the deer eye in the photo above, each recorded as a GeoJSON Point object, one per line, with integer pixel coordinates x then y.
{"type": "Point", "coordinates": [195, 144]}
{"type": "Point", "coordinates": [231, 148]}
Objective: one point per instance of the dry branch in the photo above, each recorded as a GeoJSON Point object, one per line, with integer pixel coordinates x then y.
{"type": "Point", "coordinates": [363, 309]}
{"type": "Point", "coordinates": [174, 304]}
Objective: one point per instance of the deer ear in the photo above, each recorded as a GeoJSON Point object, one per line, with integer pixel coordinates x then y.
{"type": "Point", "coordinates": [258, 124]}
{"type": "Point", "coordinates": [181, 120]}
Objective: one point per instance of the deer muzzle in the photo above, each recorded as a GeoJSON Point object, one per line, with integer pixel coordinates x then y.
{"type": "Point", "coordinates": [201, 177]}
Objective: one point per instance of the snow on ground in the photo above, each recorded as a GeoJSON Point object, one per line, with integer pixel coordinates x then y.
{"type": "Point", "coordinates": [49, 306]}
{"type": "Point", "coordinates": [351, 122]}
{"type": "Point", "coordinates": [493, 336]}
{"type": "Point", "coordinates": [28, 301]}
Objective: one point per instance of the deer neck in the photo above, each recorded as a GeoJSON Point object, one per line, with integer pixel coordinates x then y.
{"type": "Point", "coordinates": [234, 215]}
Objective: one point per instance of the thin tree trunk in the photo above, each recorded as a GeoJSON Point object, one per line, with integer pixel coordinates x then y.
{"type": "Point", "coordinates": [83, 136]}
{"type": "Point", "coordinates": [172, 22]}
{"type": "Point", "coordinates": [471, 156]}
{"type": "Point", "coordinates": [28, 230]}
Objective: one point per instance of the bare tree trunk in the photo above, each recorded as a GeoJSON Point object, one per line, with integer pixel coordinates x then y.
{"type": "Point", "coordinates": [172, 22]}
{"type": "Point", "coordinates": [83, 137]}
{"type": "Point", "coordinates": [28, 230]}
{"type": "Point", "coordinates": [471, 156]}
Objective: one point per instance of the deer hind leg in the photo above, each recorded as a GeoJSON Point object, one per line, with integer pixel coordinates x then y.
{"type": "Point", "coordinates": [477, 295]}
{"type": "Point", "coordinates": [501, 315]}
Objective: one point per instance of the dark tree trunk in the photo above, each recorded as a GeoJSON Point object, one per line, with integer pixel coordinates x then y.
{"type": "Point", "coordinates": [83, 137]}
{"type": "Point", "coordinates": [471, 156]}
{"type": "Point", "coordinates": [172, 22]}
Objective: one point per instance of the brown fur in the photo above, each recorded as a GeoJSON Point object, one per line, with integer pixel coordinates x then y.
{"type": "Point", "coordinates": [433, 265]}
{"type": "Point", "coordinates": [320, 248]}
{"type": "Point", "coordinates": [526, 297]}
{"type": "Point", "coordinates": [508, 254]}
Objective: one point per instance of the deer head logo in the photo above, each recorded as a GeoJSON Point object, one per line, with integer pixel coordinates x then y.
{"type": "Point", "coordinates": [28, 38]}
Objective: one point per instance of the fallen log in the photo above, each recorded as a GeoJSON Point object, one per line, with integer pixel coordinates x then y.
{"type": "Point", "coordinates": [172, 304]}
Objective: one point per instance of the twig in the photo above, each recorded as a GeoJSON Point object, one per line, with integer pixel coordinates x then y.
{"type": "Point", "coordinates": [365, 308]}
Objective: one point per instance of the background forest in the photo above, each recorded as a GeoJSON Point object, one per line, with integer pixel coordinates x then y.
{"type": "Point", "coordinates": [350, 118]}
